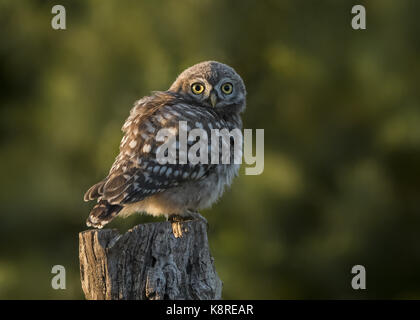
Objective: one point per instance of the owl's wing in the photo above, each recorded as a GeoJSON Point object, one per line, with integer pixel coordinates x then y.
{"type": "Point", "coordinates": [136, 172]}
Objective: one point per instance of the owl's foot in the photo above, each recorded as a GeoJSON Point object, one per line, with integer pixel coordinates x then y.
{"type": "Point", "coordinates": [176, 218]}
{"type": "Point", "coordinates": [188, 216]}
{"type": "Point", "coordinates": [176, 221]}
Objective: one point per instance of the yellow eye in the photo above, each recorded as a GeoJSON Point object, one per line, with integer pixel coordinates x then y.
{"type": "Point", "coordinates": [227, 88]}
{"type": "Point", "coordinates": [197, 88]}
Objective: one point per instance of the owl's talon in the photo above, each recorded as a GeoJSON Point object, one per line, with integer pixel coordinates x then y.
{"type": "Point", "coordinates": [176, 229]}
{"type": "Point", "coordinates": [175, 221]}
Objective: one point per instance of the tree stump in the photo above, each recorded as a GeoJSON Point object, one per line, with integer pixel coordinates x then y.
{"type": "Point", "coordinates": [151, 261]}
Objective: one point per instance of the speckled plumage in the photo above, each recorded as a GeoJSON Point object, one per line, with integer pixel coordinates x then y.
{"type": "Point", "coordinates": [137, 182]}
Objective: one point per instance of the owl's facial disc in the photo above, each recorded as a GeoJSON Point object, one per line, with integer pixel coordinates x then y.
{"type": "Point", "coordinates": [213, 85]}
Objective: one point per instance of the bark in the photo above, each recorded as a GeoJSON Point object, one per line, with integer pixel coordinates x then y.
{"type": "Point", "coordinates": [151, 261]}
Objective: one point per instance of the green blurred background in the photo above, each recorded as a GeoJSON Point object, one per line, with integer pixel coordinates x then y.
{"type": "Point", "coordinates": [340, 109]}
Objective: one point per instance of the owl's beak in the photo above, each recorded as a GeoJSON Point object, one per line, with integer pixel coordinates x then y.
{"type": "Point", "coordinates": [213, 99]}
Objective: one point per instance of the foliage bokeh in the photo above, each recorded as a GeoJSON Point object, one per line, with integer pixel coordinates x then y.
{"type": "Point", "coordinates": [341, 114]}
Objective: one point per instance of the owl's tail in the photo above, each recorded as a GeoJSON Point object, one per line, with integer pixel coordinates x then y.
{"type": "Point", "coordinates": [102, 213]}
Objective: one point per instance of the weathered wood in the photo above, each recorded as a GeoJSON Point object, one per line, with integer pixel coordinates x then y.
{"type": "Point", "coordinates": [151, 261]}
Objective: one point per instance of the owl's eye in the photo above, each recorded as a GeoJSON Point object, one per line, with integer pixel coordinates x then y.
{"type": "Point", "coordinates": [227, 88]}
{"type": "Point", "coordinates": [197, 88]}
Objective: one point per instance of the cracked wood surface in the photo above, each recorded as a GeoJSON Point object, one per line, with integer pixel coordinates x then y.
{"type": "Point", "coordinates": [151, 261]}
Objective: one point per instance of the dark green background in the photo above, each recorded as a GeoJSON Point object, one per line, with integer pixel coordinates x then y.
{"type": "Point", "coordinates": [341, 114]}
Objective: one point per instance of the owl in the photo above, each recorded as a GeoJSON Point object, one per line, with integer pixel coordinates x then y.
{"type": "Point", "coordinates": [207, 96]}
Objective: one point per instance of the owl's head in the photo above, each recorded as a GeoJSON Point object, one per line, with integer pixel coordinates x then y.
{"type": "Point", "coordinates": [212, 84]}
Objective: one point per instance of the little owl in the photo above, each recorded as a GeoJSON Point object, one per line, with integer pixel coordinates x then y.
{"type": "Point", "coordinates": [207, 96]}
